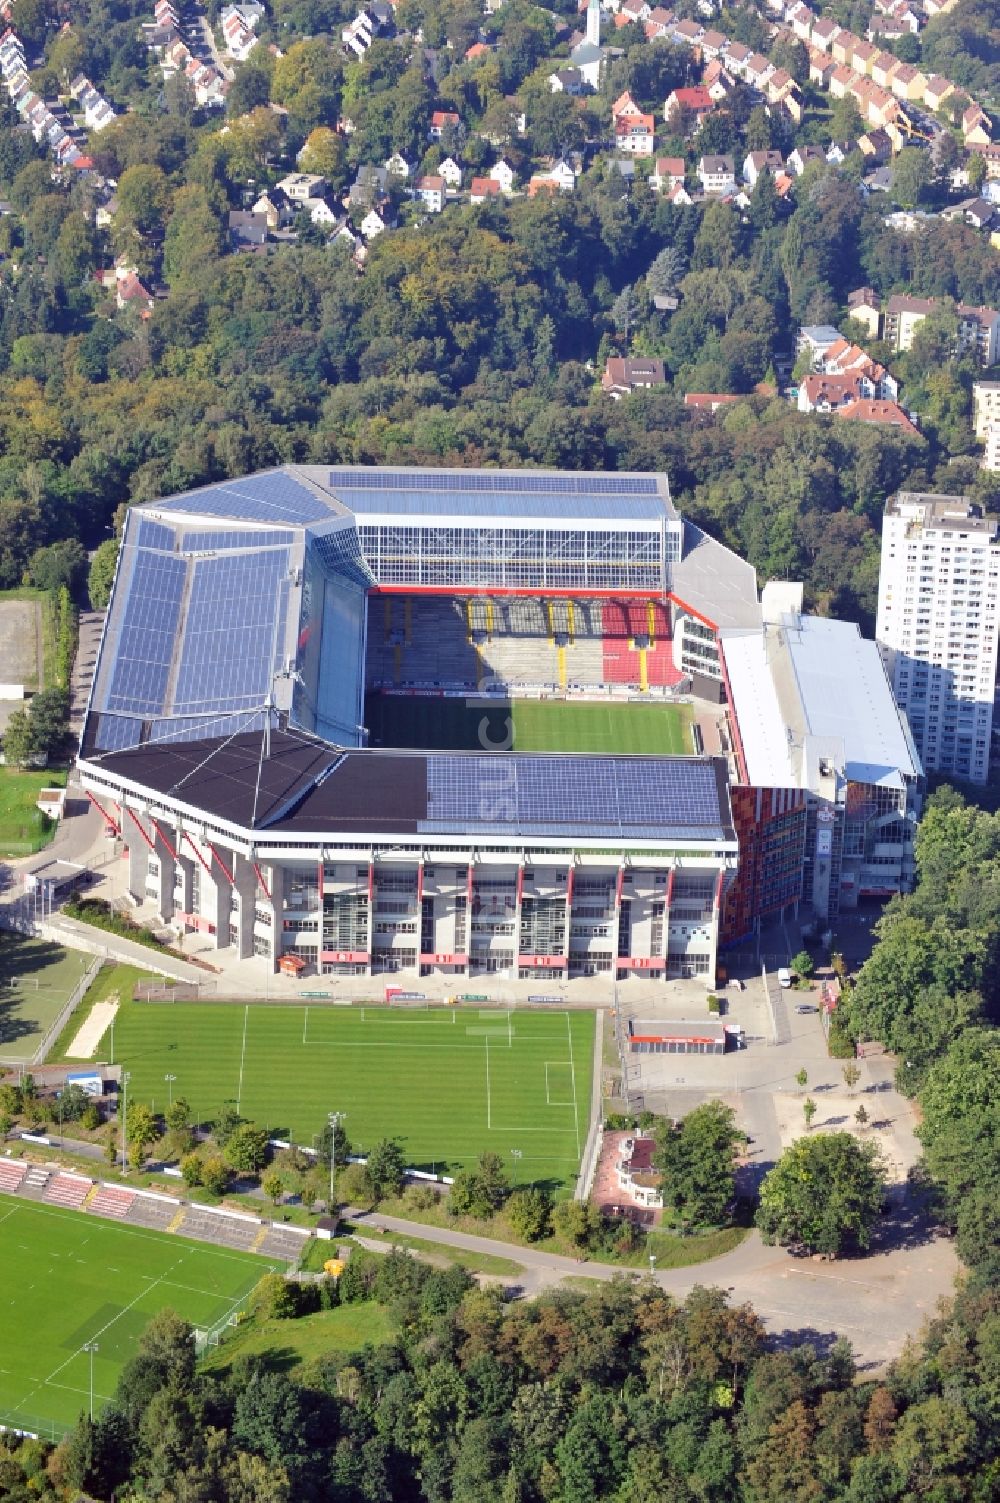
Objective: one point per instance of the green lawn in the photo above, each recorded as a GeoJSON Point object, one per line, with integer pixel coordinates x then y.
{"type": "Point", "coordinates": [23, 828]}
{"type": "Point", "coordinates": [449, 1083]}
{"type": "Point", "coordinates": [528, 725]}
{"type": "Point", "coordinates": [69, 1278]}
{"type": "Point", "coordinates": [289, 1343]}
{"type": "Point", "coordinates": [36, 980]}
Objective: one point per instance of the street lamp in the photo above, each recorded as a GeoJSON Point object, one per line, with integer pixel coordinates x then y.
{"type": "Point", "coordinates": [91, 1347]}
{"type": "Point", "coordinates": [516, 1154]}
{"type": "Point", "coordinates": [652, 1264]}
{"type": "Point", "coordinates": [170, 1089]}
{"type": "Point", "coordinates": [126, 1077]}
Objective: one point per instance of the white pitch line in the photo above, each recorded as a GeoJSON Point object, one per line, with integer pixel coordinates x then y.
{"type": "Point", "coordinates": [243, 1055]}
{"type": "Point", "coordinates": [572, 1071]}
{"type": "Point", "coordinates": [305, 1025]}
{"type": "Point", "coordinates": [489, 1107]}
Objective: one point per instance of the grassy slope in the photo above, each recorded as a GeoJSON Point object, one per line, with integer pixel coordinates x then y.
{"type": "Point", "coordinates": [23, 828]}
{"type": "Point", "coordinates": [289, 1343]}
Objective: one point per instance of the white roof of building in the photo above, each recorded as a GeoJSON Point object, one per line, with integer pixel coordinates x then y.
{"type": "Point", "coordinates": [812, 689]}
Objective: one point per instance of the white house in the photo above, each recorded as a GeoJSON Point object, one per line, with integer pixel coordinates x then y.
{"type": "Point", "coordinates": [373, 224]}
{"type": "Point", "coordinates": [430, 192]}
{"type": "Point", "coordinates": [501, 172]}
{"type": "Point", "coordinates": [451, 172]}
{"type": "Point", "coordinates": [717, 175]}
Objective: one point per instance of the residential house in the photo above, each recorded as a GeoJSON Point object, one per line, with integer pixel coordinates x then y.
{"type": "Point", "coordinates": [238, 24]}
{"type": "Point", "coordinates": [483, 188]}
{"type": "Point", "coordinates": [991, 156]}
{"type": "Point", "coordinates": [712, 45]}
{"type": "Point", "coordinates": [373, 224]}
{"type": "Point", "coordinates": [623, 376]}
{"type": "Point", "coordinates": [908, 82]}
{"type": "Point", "coordinates": [624, 105]}
{"type": "Point", "coordinates": [800, 18]}
{"type": "Point", "coordinates": [875, 146]}
{"type": "Point", "coordinates": [430, 192]}
{"type": "Point", "coordinates": [668, 173]}
{"type": "Point", "coordinates": [991, 454]}
{"type": "Point", "coordinates": [501, 172]}
{"type": "Point", "coordinates": [863, 54]}
{"type": "Point", "coordinates": [300, 186]}
{"type": "Point", "coordinates": [688, 33]}
{"type": "Point", "coordinates": [985, 406]}
{"type": "Point", "coordinates": [717, 81]}
{"type": "Point", "coordinates": [842, 47]}
{"type": "Point", "coordinates": [540, 182]}
{"type": "Point", "coordinates": [130, 293]}
{"type": "Point", "coordinates": [978, 328]}
{"type": "Point", "coordinates": [757, 162]}
{"type": "Point", "coordinates": [863, 305]}
{"type": "Point", "coordinates": [977, 127]}
{"type": "Point", "coordinates": [823, 34]}
{"type": "Point", "coordinates": [717, 175]}
{"type": "Point", "coordinates": [688, 104]}
{"type": "Point", "coordinates": [821, 68]}
{"type": "Point", "coordinates": [819, 392]}
{"type": "Point", "coordinates": [398, 167]}
{"type": "Point", "coordinates": [635, 134]}
{"type": "Point", "coordinates": [883, 68]}
{"type": "Point", "coordinates": [562, 174]}
{"type": "Point", "coordinates": [709, 401]}
{"type": "Point", "coordinates": [847, 359]}
{"type": "Point", "coordinates": [440, 121]}
{"type": "Point", "coordinates": [679, 196]}
{"type": "Point", "coordinates": [97, 113]}
{"type": "Point", "coordinates": [247, 230]}
{"type": "Point", "coordinates": [936, 91]}
{"type": "Point", "coordinates": [276, 207]}
{"type": "Point", "coordinates": [566, 81]}
{"type": "Point", "coordinates": [319, 211]}
{"type": "Point", "coordinates": [841, 81]}
{"type": "Point", "coordinates": [477, 50]}
{"type": "Point", "coordinates": [799, 159]}
{"type": "Point", "coordinates": [816, 339]}
{"type": "Point", "coordinates": [864, 410]}
{"type": "Point", "coordinates": [736, 57]}
{"type": "Point", "coordinates": [637, 1174]}
{"type": "Point", "coordinates": [451, 172]}
{"type": "Point", "coordinates": [758, 70]}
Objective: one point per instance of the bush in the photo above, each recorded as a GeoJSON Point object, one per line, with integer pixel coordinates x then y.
{"type": "Point", "coordinates": [90, 1120]}
{"type": "Point", "coordinates": [838, 1040]}
{"type": "Point", "coordinates": [354, 1187]}
{"type": "Point", "coordinates": [247, 1149]}
{"type": "Point", "coordinates": [215, 1173]}
{"type": "Point", "coordinates": [529, 1212]}
{"type": "Point", "coordinates": [191, 1169]}
{"type": "Point", "coordinates": [275, 1298]}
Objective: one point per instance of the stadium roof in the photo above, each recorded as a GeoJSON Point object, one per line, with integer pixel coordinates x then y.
{"type": "Point", "coordinates": [304, 787]}
{"type": "Point", "coordinates": [811, 689]}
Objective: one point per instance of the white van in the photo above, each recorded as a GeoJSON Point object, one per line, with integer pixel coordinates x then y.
{"type": "Point", "coordinates": [784, 976]}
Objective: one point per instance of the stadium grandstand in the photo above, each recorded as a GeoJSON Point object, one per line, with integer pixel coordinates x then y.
{"type": "Point", "coordinates": [436, 723]}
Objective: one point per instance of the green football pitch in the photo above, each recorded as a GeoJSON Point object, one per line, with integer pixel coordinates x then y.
{"type": "Point", "coordinates": [67, 1279]}
{"type": "Point", "coordinates": [528, 725]}
{"type": "Point", "coordinates": [449, 1083]}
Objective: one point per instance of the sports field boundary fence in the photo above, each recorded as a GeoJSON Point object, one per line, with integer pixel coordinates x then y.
{"type": "Point", "coordinates": [76, 996]}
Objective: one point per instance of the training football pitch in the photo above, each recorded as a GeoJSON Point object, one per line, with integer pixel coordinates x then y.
{"type": "Point", "coordinates": [449, 1083]}
{"type": "Point", "coordinates": [528, 725]}
{"type": "Point", "coordinates": [67, 1279]}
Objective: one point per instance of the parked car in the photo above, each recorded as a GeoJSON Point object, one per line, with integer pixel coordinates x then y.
{"type": "Point", "coordinates": [784, 976]}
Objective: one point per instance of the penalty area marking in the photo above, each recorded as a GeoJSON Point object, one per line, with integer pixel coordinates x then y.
{"type": "Point", "coordinates": [563, 1064]}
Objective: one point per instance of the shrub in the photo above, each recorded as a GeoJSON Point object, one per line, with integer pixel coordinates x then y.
{"type": "Point", "coordinates": [191, 1169]}
{"type": "Point", "coordinates": [215, 1173]}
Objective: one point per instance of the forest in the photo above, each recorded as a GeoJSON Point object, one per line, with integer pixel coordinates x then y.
{"type": "Point", "coordinates": [616, 1392]}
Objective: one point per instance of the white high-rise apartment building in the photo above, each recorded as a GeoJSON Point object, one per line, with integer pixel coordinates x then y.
{"type": "Point", "coordinates": [937, 626]}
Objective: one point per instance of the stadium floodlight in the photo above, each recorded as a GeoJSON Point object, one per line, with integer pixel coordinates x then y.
{"type": "Point", "coordinates": [126, 1077]}
{"type": "Point", "coordinates": [334, 1119]}
{"type": "Point", "coordinates": [91, 1347]}
{"type": "Point", "coordinates": [516, 1154]}
{"type": "Point", "coordinates": [170, 1089]}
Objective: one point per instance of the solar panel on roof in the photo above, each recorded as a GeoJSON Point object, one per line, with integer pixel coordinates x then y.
{"type": "Point", "coordinates": [492, 482]}
{"type": "Point", "coordinates": [147, 634]}
{"type": "Point", "coordinates": [217, 542]}
{"type": "Point", "coordinates": [227, 658]}
{"type": "Point", "coordinates": [271, 497]}
{"type": "Point", "coordinates": [117, 733]}
{"type": "Point", "coordinates": [150, 534]}
{"type": "Point", "coordinates": [570, 791]}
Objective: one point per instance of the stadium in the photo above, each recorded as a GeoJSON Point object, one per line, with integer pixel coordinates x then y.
{"type": "Point", "coordinates": [431, 724]}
